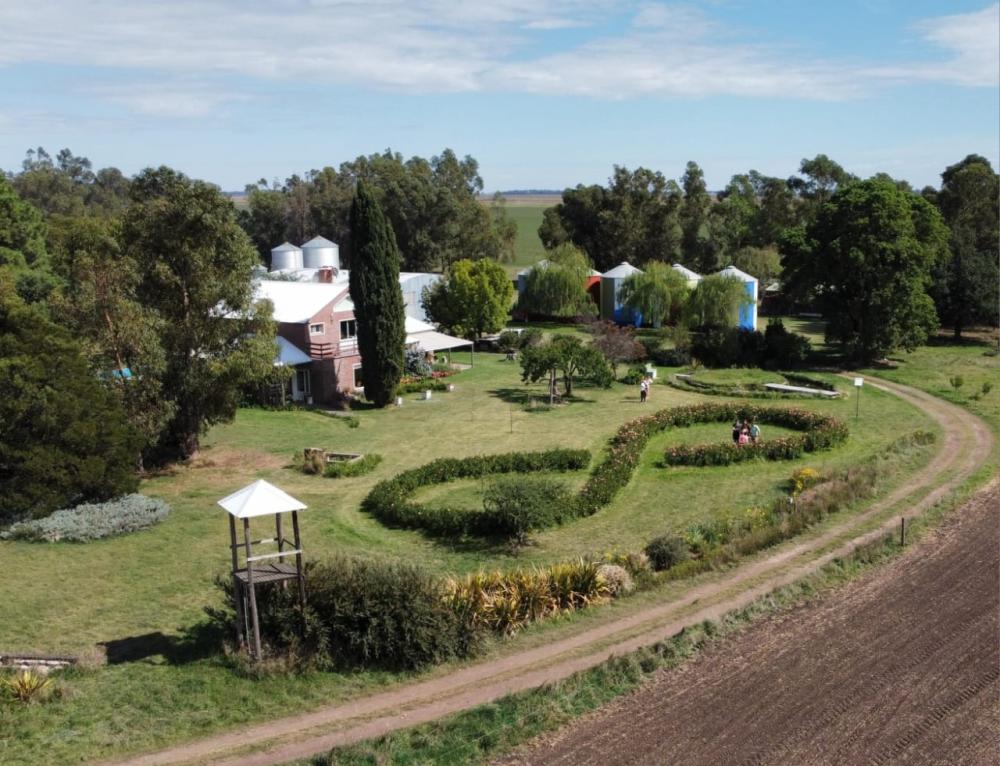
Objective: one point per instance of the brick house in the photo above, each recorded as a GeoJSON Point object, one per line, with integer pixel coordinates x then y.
{"type": "Point", "coordinates": [316, 323]}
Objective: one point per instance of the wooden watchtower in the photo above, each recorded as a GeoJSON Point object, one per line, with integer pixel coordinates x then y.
{"type": "Point", "coordinates": [249, 569]}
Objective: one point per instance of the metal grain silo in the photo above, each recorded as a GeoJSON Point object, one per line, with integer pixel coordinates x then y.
{"type": "Point", "coordinates": [747, 319]}
{"type": "Point", "coordinates": [319, 252]}
{"type": "Point", "coordinates": [611, 283]}
{"type": "Point", "coordinates": [285, 256]}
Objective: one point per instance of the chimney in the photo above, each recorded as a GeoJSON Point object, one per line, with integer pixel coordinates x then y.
{"type": "Point", "coordinates": [326, 274]}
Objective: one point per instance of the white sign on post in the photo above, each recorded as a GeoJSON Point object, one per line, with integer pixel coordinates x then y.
{"type": "Point", "coordinates": [859, 382]}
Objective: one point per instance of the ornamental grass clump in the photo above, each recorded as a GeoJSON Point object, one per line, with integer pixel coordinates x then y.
{"type": "Point", "coordinates": [26, 687]}
{"type": "Point", "coordinates": [505, 602]}
{"type": "Point", "coordinates": [92, 521]}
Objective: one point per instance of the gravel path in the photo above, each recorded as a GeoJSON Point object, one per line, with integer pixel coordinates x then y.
{"type": "Point", "coordinates": [967, 443]}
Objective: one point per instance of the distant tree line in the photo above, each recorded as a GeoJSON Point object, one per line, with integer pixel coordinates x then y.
{"type": "Point", "coordinates": [432, 205]}
{"type": "Point", "coordinates": [884, 263]}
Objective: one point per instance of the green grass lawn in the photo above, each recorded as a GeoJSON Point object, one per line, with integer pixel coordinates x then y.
{"type": "Point", "coordinates": [142, 590]}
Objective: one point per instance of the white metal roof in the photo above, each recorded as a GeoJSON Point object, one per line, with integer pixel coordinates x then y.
{"type": "Point", "coordinates": [435, 341]}
{"type": "Point", "coordinates": [260, 499]}
{"type": "Point", "coordinates": [298, 302]}
{"type": "Point", "coordinates": [319, 241]}
{"type": "Point", "coordinates": [732, 271]}
{"type": "Point", "coordinates": [622, 270]}
{"type": "Point", "coordinates": [285, 247]}
{"type": "Point", "coordinates": [686, 272]}
{"type": "Point", "coordinates": [289, 354]}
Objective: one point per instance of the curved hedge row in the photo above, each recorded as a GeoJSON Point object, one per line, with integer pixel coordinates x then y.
{"type": "Point", "coordinates": [821, 432]}
{"type": "Point", "coordinates": [389, 501]}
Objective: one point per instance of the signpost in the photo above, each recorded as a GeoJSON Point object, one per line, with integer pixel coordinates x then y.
{"type": "Point", "coordinates": [858, 383]}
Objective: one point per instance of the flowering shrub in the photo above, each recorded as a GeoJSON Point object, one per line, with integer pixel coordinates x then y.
{"type": "Point", "coordinates": [92, 521]}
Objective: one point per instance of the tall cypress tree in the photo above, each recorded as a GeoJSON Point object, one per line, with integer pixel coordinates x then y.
{"type": "Point", "coordinates": [377, 297]}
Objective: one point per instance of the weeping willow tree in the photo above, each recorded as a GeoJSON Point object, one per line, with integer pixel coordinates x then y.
{"type": "Point", "coordinates": [716, 302]}
{"type": "Point", "coordinates": [557, 286]}
{"type": "Point", "coordinates": [654, 293]}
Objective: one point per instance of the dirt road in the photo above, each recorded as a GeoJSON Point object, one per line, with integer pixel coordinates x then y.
{"type": "Point", "coordinates": [900, 667]}
{"type": "Point", "coordinates": [966, 445]}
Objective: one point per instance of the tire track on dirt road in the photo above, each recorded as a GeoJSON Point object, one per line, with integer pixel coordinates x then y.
{"type": "Point", "coordinates": [967, 444]}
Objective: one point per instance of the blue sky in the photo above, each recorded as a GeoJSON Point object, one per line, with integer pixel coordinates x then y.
{"type": "Point", "coordinates": [544, 93]}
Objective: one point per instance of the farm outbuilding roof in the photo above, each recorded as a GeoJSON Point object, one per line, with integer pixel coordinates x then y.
{"type": "Point", "coordinates": [622, 270]}
{"type": "Point", "coordinates": [732, 271]}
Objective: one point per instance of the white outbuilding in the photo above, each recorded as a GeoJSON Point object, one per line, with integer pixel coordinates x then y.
{"type": "Point", "coordinates": [748, 312]}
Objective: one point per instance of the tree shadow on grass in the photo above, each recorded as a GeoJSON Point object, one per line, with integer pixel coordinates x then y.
{"type": "Point", "coordinates": [197, 642]}
{"type": "Point", "coordinates": [532, 401]}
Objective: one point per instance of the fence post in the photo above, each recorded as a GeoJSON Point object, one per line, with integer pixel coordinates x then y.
{"type": "Point", "coordinates": [902, 531]}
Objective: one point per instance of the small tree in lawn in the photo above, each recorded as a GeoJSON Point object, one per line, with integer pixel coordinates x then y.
{"type": "Point", "coordinates": [654, 292]}
{"type": "Point", "coordinates": [473, 300]}
{"type": "Point", "coordinates": [564, 355]}
{"type": "Point", "coordinates": [377, 297]}
{"type": "Point", "coordinates": [617, 344]}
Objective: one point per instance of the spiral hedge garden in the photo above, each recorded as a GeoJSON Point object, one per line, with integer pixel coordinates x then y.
{"type": "Point", "coordinates": [390, 500]}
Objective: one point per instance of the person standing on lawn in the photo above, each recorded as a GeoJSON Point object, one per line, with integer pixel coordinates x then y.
{"type": "Point", "coordinates": [754, 432]}
{"type": "Point", "coordinates": [643, 390]}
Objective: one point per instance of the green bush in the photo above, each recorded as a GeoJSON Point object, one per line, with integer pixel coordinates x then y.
{"type": "Point", "coordinates": [424, 384]}
{"type": "Point", "coordinates": [415, 363]}
{"type": "Point", "coordinates": [345, 470]}
{"type": "Point", "coordinates": [92, 521]}
{"type": "Point", "coordinates": [634, 375]}
{"type": "Point", "coordinates": [516, 506]}
{"type": "Point", "coordinates": [361, 613]}
{"type": "Point", "coordinates": [666, 551]}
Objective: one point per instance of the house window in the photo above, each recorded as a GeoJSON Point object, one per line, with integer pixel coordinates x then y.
{"type": "Point", "coordinates": [316, 329]}
{"type": "Point", "coordinates": [348, 329]}
{"type": "Point", "coordinates": [358, 380]}
{"type": "Point", "coordinates": [303, 381]}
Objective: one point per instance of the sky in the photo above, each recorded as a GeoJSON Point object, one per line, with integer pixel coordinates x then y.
{"type": "Point", "coordinates": [543, 93]}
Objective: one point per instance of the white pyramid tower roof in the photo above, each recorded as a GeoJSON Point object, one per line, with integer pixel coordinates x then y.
{"type": "Point", "coordinates": [622, 270]}
{"type": "Point", "coordinates": [285, 247]}
{"type": "Point", "coordinates": [732, 271]}
{"type": "Point", "coordinates": [260, 499]}
{"type": "Point", "coordinates": [319, 241]}
{"type": "Point", "coordinates": [686, 272]}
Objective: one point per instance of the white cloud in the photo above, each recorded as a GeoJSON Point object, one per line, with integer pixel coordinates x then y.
{"type": "Point", "coordinates": [178, 100]}
{"type": "Point", "coordinates": [444, 46]}
{"type": "Point", "coordinates": [971, 43]}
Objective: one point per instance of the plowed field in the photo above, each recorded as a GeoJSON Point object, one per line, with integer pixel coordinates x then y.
{"type": "Point", "coordinates": [901, 667]}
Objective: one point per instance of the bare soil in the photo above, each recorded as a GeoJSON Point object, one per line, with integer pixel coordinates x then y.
{"type": "Point", "coordinates": [900, 667]}
{"type": "Point", "coordinates": [967, 444]}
